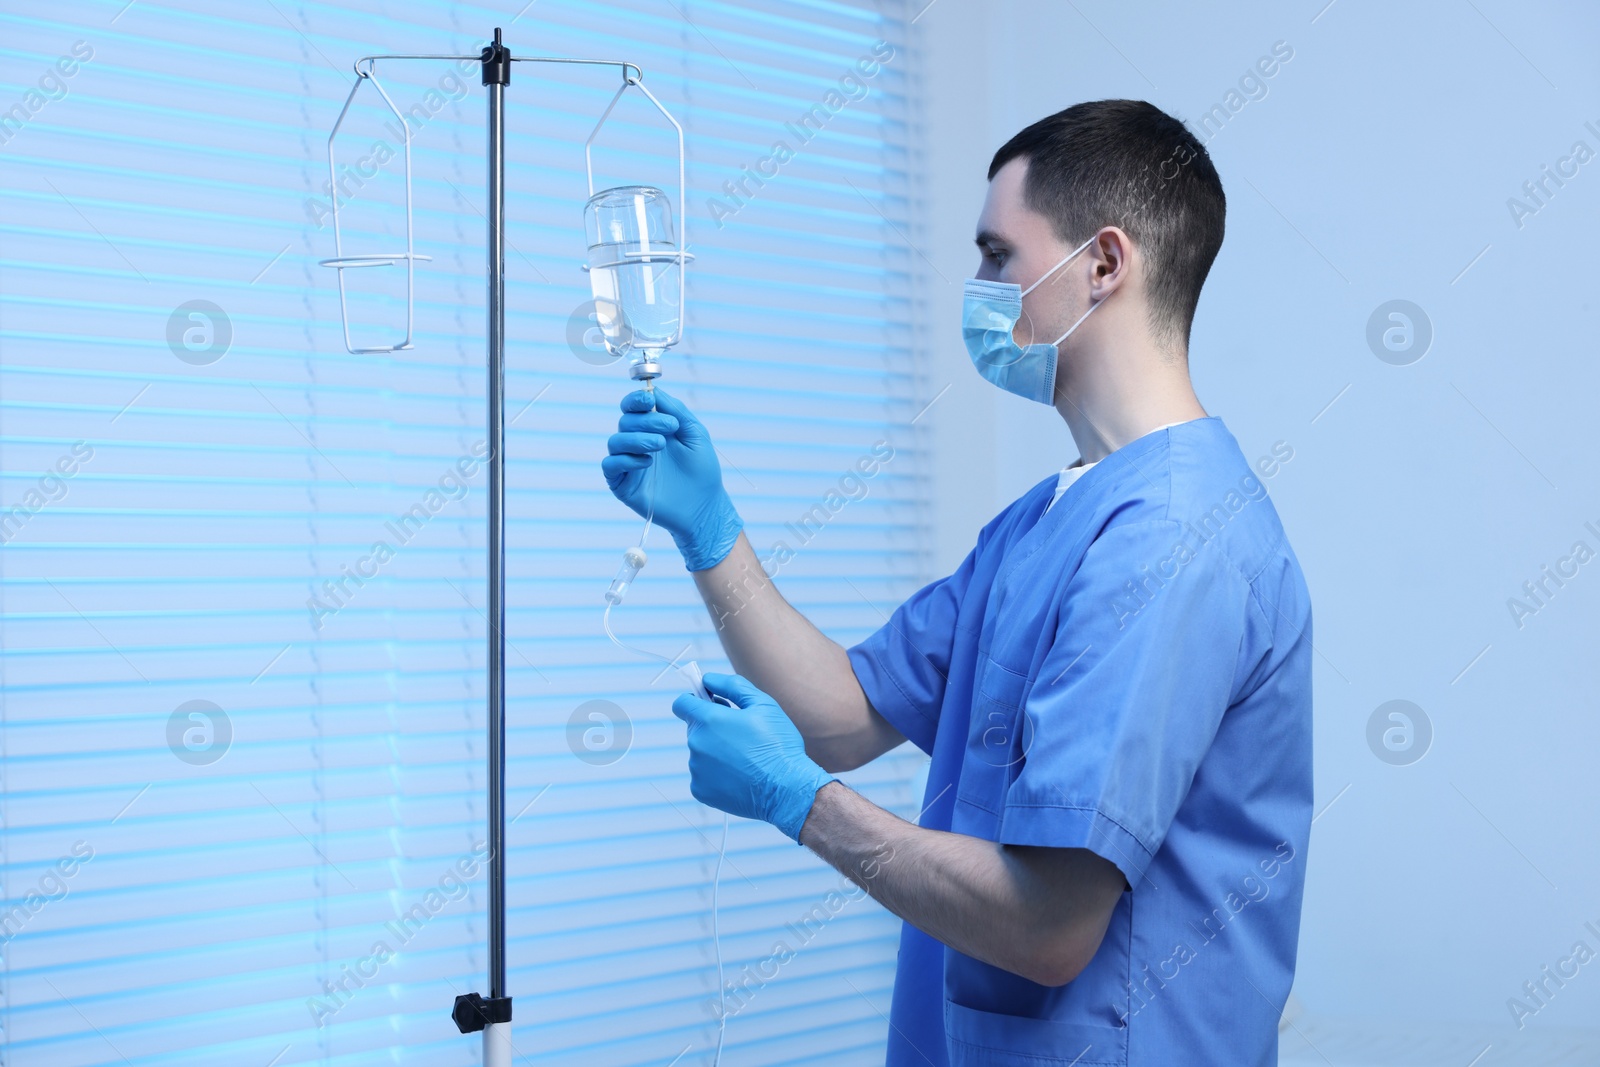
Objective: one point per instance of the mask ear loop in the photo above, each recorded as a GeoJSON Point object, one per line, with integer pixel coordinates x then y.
{"type": "Point", "coordinates": [1069, 258]}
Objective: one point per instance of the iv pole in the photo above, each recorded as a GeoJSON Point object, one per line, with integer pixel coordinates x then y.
{"type": "Point", "coordinates": [493, 1015]}
{"type": "Point", "coordinates": [474, 1012]}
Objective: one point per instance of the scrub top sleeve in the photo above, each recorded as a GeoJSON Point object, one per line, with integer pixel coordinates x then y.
{"type": "Point", "coordinates": [1130, 695]}
{"type": "Point", "coordinates": [905, 667]}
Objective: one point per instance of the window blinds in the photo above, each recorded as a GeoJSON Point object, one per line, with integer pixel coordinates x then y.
{"type": "Point", "coordinates": [242, 577]}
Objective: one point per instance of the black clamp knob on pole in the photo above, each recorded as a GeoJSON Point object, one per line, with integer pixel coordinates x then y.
{"type": "Point", "coordinates": [473, 1012]}
{"type": "Point", "coordinates": [496, 59]}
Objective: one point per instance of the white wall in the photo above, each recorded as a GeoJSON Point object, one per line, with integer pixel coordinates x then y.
{"type": "Point", "coordinates": [1377, 167]}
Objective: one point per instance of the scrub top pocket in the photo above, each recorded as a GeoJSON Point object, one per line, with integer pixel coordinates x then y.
{"type": "Point", "coordinates": [988, 1039]}
{"type": "Point", "coordinates": [998, 735]}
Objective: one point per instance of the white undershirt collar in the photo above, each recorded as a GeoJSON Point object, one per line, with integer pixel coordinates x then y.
{"type": "Point", "coordinates": [1071, 474]}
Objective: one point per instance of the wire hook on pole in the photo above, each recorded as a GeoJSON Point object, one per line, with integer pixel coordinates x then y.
{"type": "Point", "coordinates": [341, 262]}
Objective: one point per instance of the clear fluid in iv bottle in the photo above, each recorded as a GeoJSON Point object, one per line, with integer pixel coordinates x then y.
{"type": "Point", "coordinates": [635, 298]}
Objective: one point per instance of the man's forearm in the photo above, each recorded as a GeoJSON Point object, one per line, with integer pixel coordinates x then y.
{"type": "Point", "coordinates": [778, 649]}
{"type": "Point", "coordinates": [1036, 912]}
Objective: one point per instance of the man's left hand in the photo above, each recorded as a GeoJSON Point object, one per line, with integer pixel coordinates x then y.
{"type": "Point", "coordinates": [748, 760]}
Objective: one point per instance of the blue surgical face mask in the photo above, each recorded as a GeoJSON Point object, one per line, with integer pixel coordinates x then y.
{"type": "Point", "coordinates": [989, 316]}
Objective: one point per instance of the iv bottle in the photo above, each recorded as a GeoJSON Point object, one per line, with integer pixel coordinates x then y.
{"type": "Point", "coordinates": [634, 273]}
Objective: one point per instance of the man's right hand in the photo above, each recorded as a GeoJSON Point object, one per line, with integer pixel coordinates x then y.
{"type": "Point", "coordinates": [661, 452]}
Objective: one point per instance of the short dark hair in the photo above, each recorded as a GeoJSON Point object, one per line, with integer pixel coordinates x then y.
{"type": "Point", "coordinates": [1127, 163]}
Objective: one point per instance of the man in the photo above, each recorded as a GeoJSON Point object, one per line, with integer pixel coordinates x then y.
{"type": "Point", "coordinates": [1114, 686]}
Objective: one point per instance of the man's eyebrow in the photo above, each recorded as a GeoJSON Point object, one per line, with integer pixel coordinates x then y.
{"type": "Point", "coordinates": [989, 237]}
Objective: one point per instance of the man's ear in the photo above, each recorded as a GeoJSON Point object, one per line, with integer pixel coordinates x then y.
{"type": "Point", "coordinates": [1112, 253]}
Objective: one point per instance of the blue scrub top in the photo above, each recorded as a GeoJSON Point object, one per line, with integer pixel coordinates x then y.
{"type": "Point", "coordinates": [1129, 672]}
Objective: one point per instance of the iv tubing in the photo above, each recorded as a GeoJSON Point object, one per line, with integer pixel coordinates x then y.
{"type": "Point", "coordinates": [722, 849]}
{"type": "Point", "coordinates": [716, 942]}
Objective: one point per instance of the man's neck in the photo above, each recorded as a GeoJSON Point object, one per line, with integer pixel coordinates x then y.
{"type": "Point", "coordinates": [1109, 401]}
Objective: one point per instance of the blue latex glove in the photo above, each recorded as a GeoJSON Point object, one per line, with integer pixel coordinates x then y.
{"type": "Point", "coordinates": [748, 760]}
{"type": "Point", "coordinates": [690, 502]}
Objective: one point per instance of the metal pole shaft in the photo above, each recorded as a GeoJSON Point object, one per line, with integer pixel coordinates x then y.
{"type": "Point", "coordinates": [497, 541]}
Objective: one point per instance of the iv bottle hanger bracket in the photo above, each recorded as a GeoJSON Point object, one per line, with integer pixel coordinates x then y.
{"type": "Point", "coordinates": [341, 262]}
{"type": "Point", "coordinates": [682, 257]}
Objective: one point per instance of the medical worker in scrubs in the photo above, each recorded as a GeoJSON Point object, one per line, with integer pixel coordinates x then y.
{"type": "Point", "coordinates": [1114, 686]}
